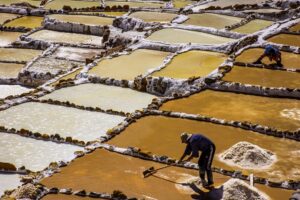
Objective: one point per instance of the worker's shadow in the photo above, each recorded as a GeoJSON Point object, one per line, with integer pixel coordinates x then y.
{"type": "Point", "coordinates": [211, 194]}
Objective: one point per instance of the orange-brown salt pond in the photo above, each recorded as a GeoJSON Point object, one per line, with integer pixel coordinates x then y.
{"type": "Point", "coordinates": [282, 114]}
{"type": "Point", "coordinates": [149, 132]}
{"type": "Point", "coordinates": [65, 197]}
{"type": "Point", "coordinates": [263, 77]}
{"type": "Point", "coordinates": [286, 39]}
{"type": "Point", "coordinates": [289, 60]}
{"type": "Point", "coordinates": [295, 28]}
{"type": "Point", "coordinates": [103, 171]}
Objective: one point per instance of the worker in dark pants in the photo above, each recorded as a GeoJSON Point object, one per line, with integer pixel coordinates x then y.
{"type": "Point", "coordinates": [196, 143]}
{"type": "Point", "coordinates": [272, 53]}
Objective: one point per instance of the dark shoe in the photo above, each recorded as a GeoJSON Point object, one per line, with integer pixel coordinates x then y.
{"type": "Point", "coordinates": [208, 184]}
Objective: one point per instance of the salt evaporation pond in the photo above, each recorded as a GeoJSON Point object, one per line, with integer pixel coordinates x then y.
{"type": "Point", "coordinates": [77, 54]}
{"type": "Point", "coordinates": [64, 37]}
{"type": "Point", "coordinates": [18, 55]}
{"type": "Point", "coordinates": [9, 182]}
{"type": "Point", "coordinates": [103, 96]}
{"type": "Point", "coordinates": [22, 151]}
{"type": "Point", "coordinates": [69, 76]}
{"type": "Point", "coordinates": [8, 90]}
{"type": "Point", "coordinates": [58, 4]}
{"type": "Point", "coordinates": [154, 16]}
{"type": "Point", "coordinates": [295, 28]}
{"type": "Point", "coordinates": [136, 4]}
{"type": "Point", "coordinates": [175, 36]}
{"type": "Point", "coordinates": [10, 70]}
{"type": "Point", "coordinates": [273, 112]}
{"type": "Point", "coordinates": [289, 59]}
{"type": "Point", "coordinates": [9, 2]}
{"type": "Point", "coordinates": [226, 3]}
{"type": "Point", "coordinates": [253, 26]}
{"type": "Point", "coordinates": [286, 39]}
{"type": "Point", "coordinates": [192, 63]}
{"type": "Point", "coordinates": [6, 16]}
{"type": "Point", "coordinates": [108, 13]}
{"type": "Point", "coordinates": [6, 38]}
{"type": "Point", "coordinates": [53, 119]}
{"type": "Point", "coordinates": [263, 77]}
{"type": "Point", "coordinates": [263, 11]}
{"type": "Point", "coordinates": [212, 20]}
{"type": "Point", "coordinates": [148, 132]}
{"type": "Point", "coordinates": [83, 19]}
{"type": "Point", "coordinates": [129, 66]}
{"type": "Point", "coordinates": [27, 22]}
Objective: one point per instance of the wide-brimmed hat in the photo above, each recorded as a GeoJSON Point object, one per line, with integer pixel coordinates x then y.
{"type": "Point", "coordinates": [185, 136]}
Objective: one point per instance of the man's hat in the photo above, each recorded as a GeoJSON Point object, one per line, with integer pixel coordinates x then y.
{"type": "Point", "coordinates": [185, 136]}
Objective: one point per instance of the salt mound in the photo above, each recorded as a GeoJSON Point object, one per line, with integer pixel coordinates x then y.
{"type": "Point", "coordinates": [236, 189]}
{"type": "Point", "coordinates": [249, 156]}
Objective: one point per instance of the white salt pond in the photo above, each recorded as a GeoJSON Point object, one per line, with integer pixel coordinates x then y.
{"type": "Point", "coordinates": [7, 90]}
{"type": "Point", "coordinates": [8, 182]}
{"type": "Point", "coordinates": [77, 54]}
{"type": "Point", "coordinates": [53, 119]}
{"type": "Point", "coordinates": [34, 154]}
{"type": "Point", "coordinates": [103, 96]}
{"type": "Point", "coordinates": [64, 37]}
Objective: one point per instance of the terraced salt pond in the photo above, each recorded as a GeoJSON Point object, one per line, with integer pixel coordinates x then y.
{"type": "Point", "coordinates": [10, 70]}
{"type": "Point", "coordinates": [175, 36]}
{"type": "Point", "coordinates": [83, 19]}
{"type": "Point", "coordinates": [27, 22]}
{"type": "Point", "coordinates": [192, 63]}
{"type": "Point", "coordinates": [135, 4]}
{"type": "Point", "coordinates": [103, 96]}
{"type": "Point", "coordinates": [154, 16]}
{"type": "Point", "coordinates": [8, 182]}
{"type": "Point", "coordinates": [58, 4]}
{"type": "Point", "coordinates": [286, 39]}
{"type": "Point", "coordinates": [148, 132]}
{"type": "Point", "coordinates": [64, 37]}
{"type": "Point", "coordinates": [273, 112]}
{"type": "Point", "coordinates": [212, 20]}
{"type": "Point", "coordinates": [52, 119]}
{"type": "Point", "coordinates": [6, 16]}
{"type": "Point", "coordinates": [262, 11]}
{"type": "Point", "coordinates": [101, 170]}
{"type": "Point", "coordinates": [15, 152]}
{"type": "Point", "coordinates": [65, 197]}
{"type": "Point", "coordinates": [18, 55]}
{"type": "Point", "coordinates": [69, 76]}
{"type": "Point", "coordinates": [6, 38]}
{"type": "Point", "coordinates": [53, 66]}
{"type": "Point", "coordinates": [263, 77]}
{"type": "Point", "coordinates": [129, 66]}
{"type": "Point", "coordinates": [77, 54]}
{"type": "Point", "coordinates": [289, 60]}
{"type": "Point", "coordinates": [8, 90]}
{"type": "Point", "coordinates": [226, 3]}
{"type": "Point", "coordinates": [253, 26]}
{"type": "Point", "coordinates": [9, 2]}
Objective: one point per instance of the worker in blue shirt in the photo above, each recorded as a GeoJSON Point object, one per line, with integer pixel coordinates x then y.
{"type": "Point", "coordinates": [196, 143]}
{"type": "Point", "coordinates": [272, 53]}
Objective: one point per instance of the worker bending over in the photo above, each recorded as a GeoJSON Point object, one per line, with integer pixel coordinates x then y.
{"type": "Point", "coordinates": [196, 143]}
{"type": "Point", "coordinates": [272, 53]}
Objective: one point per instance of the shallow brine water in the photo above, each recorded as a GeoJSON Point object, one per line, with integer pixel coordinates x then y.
{"type": "Point", "coordinates": [26, 21]}
{"type": "Point", "coordinates": [129, 66]}
{"type": "Point", "coordinates": [289, 60]}
{"type": "Point", "coordinates": [52, 119]}
{"type": "Point", "coordinates": [58, 4]}
{"type": "Point", "coordinates": [212, 20]}
{"type": "Point", "coordinates": [263, 77]}
{"type": "Point", "coordinates": [34, 154]}
{"type": "Point", "coordinates": [148, 132]}
{"type": "Point", "coordinates": [225, 3]}
{"type": "Point", "coordinates": [154, 16]}
{"type": "Point", "coordinates": [103, 96]}
{"type": "Point", "coordinates": [8, 90]}
{"type": "Point", "coordinates": [77, 54]}
{"type": "Point", "coordinates": [83, 19]}
{"type": "Point", "coordinates": [192, 63]}
{"type": "Point", "coordinates": [6, 38]}
{"type": "Point", "coordinates": [10, 70]}
{"type": "Point", "coordinates": [253, 26]}
{"type": "Point", "coordinates": [63, 37]}
{"type": "Point", "coordinates": [175, 36]}
{"type": "Point", "coordinates": [274, 112]}
{"type": "Point", "coordinates": [286, 39]}
{"type": "Point", "coordinates": [18, 55]}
